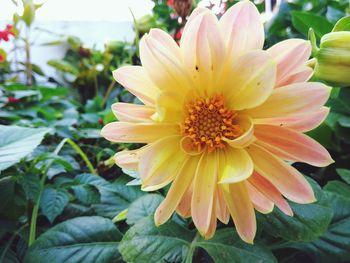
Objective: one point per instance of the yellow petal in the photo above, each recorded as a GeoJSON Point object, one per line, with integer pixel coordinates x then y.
{"type": "Point", "coordinates": [129, 159]}
{"type": "Point", "coordinates": [138, 132]}
{"type": "Point", "coordinates": [203, 192]}
{"type": "Point", "coordinates": [160, 162]}
{"type": "Point", "coordinates": [136, 81]}
{"type": "Point", "coordinates": [221, 208]}
{"type": "Point", "coordinates": [184, 207]}
{"type": "Point", "coordinates": [127, 112]}
{"type": "Point", "coordinates": [246, 124]}
{"type": "Point", "coordinates": [241, 210]}
{"type": "Point", "coordinates": [235, 165]}
{"type": "Point", "coordinates": [177, 190]}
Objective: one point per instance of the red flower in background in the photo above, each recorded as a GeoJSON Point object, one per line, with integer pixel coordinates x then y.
{"type": "Point", "coordinates": [7, 32]}
{"type": "Point", "coordinates": [2, 58]}
{"type": "Point", "coordinates": [11, 99]}
{"type": "Point", "coordinates": [170, 3]}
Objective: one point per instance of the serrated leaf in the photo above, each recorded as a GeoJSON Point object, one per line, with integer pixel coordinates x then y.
{"type": "Point", "coordinates": [82, 239]}
{"type": "Point", "coordinates": [17, 142]}
{"type": "Point", "coordinates": [31, 186]}
{"type": "Point", "coordinates": [342, 25]}
{"type": "Point", "coordinates": [53, 202]}
{"type": "Point", "coordinates": [86, 194]}
{"type": "Point", "coordinates": [302, 21]}
{"type": "Point", "coordinates": [143, 207]}
{"type": "Point", "coordinates": [344, 174]}
{"type": "Point", "coordinates": [144, 242]}
{"type": "Point", "coordinates": [334, 245]}
{"type": "Point", "coordinates": [115, 197]}
{"type": "Point", "coordinates": [226, 246]}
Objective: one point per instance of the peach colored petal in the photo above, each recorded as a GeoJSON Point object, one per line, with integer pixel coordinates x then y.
{"type": "Point", "coordinates": [267, 189]}
{"type": "Point", "coordinates": [221, 208]}
{"type": "Point", "coordinates": [203, 52]}
{"type": "Point", "coordinates": [160, 162]}
{"type": "Point", "coordinates": [290, 55]}
{"type": "Point", "coordinates": [203, 192]}
{"type": "Point", "coordinates": [261, 203]}
{"type": "Point", "coordinates": [291, 145]}
{"type": "Point", "coordinates": [241, 210]}
{"type": "Point", "coordinates": [177, 190]}
{"type": "Point", "coordinates": [298, 122]}
{"type": "Point", "coordinates": [298, 98]}
{"type": "Point", "coordinates": [129, 159]}
{"type": "Point", "coordinates": [247, 137]}
{"type": "Point", "coordinates": [251, 80]}
{"type": "Point", "coordinates": [138, 132]}
{"type": "Point", "coordinates": [301, 75]}
{"type": "Point", "coordinates": [127, 112]}
{"type": "Point", "coordinates": [162, 60]}
{"type": "Point", "coordinates": [136, 81]}
{"type": "Point", "coordinates": [242, 29]}
{"type": "Point", "coordinates": [284, 177]}
{"type": "Point", "coordinates": [235, 165]}
{"type": "Point", "coordinates": [213, 222]}
{"type": "Point", "coordinates": [184, 207]}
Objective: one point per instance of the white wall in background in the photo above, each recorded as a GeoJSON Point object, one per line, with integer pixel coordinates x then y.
{"type": "Point", "coordinates": [94, 21]}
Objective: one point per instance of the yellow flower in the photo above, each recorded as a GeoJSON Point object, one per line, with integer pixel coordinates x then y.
{"type": "Point", "coordinates": [219, 119]}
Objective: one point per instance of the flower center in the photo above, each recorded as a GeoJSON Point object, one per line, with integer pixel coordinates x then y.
{"type": "Point", "coordinates": [208, 122]}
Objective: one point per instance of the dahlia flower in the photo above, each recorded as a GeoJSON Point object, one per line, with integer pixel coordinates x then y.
{"type": "Point", "coordinates": [220, 119]}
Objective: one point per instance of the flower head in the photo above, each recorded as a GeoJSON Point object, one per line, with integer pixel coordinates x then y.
{"type": "Point", "coordinates": [220, 118]}
{"type": "Point", "coordinates": [7, 32]}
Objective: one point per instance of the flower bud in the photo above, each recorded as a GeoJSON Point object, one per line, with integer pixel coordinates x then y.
{"type": "Point", "coordinates": [333, 59]}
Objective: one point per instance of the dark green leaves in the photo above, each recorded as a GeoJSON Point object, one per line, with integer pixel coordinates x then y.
{"type": "Point", "coordinates": [226, 246]}
{"type": "Point", "coordinates": [17, 142]}
{"type": "Point", "coordinates": [82, 239]}
{"type": "Point", "coordinates": [144, 242]}
{"type": "Point", "coordinates": [53, 202]}
{"type": "Point", "coordinates": [302, 21]}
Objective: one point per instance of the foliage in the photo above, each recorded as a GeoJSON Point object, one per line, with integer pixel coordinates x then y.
{"type": "Point", "coordinates": [63, 200]}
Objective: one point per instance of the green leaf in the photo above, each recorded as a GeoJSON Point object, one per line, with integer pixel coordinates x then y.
{"type": "Point", "coordinates": [344, 174]}
{"type": "Point", "coordinates": [144, 242]}
{"type": "Point", "coordinates": [338, 188]}
{"type": "Point", "coordinates": [114, 197]}
{"type": "Point", "coordinates": [31, 185]}
{"type": "Point", "coordinates": [334, 245]}
{"type": "Point", "coordinates": [87, 194]}
{"type": "Point", "coordinates": [309, 222]}
{"type": "Point", "coordinates": [302, 21]}
{"type": "Point", "coordinates": [82, 239]}
{"type": "Point", "coordinates": [53, 202]}
{"type": "Point", "coordinates": [63, 66]}
{"type": "Point", "coordinates": [226, 246]}
{"type": "Point", "coordinates": [344, 121]}
{"type": "Point", "coordinates": [342, 25]}
{"type": "Point", "coordinates": [144, 206]}
{"type": "Point", "coordinates": [17, 142]}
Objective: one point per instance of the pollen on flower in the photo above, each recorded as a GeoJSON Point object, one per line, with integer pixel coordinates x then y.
{"type": "Point", "coordinates": [208, 122]}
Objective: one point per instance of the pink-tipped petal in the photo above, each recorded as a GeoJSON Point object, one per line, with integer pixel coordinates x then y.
{"type": "Point", "coordinates": [184, 207]}
{"type": "Point", "coordinates": [127, 112]}
{"type": "Point", "coordinates": [292, 145]}
{"type": "Point", "coordinates": [284, 177]}
{"type": "Point", "coordinates": [136, 81]}
{"type": "Point", "coordinates": [298, 122]}
{"type": "Point", "coordinates": [261, 203]}
{"type": "Point", "coordinates": [203, 52]}
{"type": "Point", "coordinates": [268, 190]}
{"type": "Point", "coordinates": [298, 98]}
{"type": "Point", "coordinates": [221, 208]}
{"type": "Point", "coordinates": [241, 210]}
{"type": "Point", "coordinates": [235, 165]}
{"type": "Point", "coordinates": [204, 188]}
{"type": "Point", "coordinates": [242, 29]}
{"type": "Point", "coordinates": [213, 222]}
{"type": "Point", "coordinates": [129, 159]}
{"type": "Point", "coordinates": [160, 162]}
{"type": "Point", "coordinates": [177, 190]}
{"type": "Point", "coordinates": [138, 132]}
{"type": "Point", "coordinates": [162, 60]}
{"type": "Point", "coordinates": [290, 55]}
{"type": "Point", "coordinates": [302, 75]}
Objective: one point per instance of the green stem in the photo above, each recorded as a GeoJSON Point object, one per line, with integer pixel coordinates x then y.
{"type": "Point", "coordinates": [108, 92]}
{"type": "Point", "coordinates": [82, 155]}
{"type": "Point", "coordinates": [32, 230]}
{"type": "Point", "coordinates": [29, 67]}
{"type": "Point", "coordinates": [191, 250]}
{"type": "Point", "coordinates": [137, 37]}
